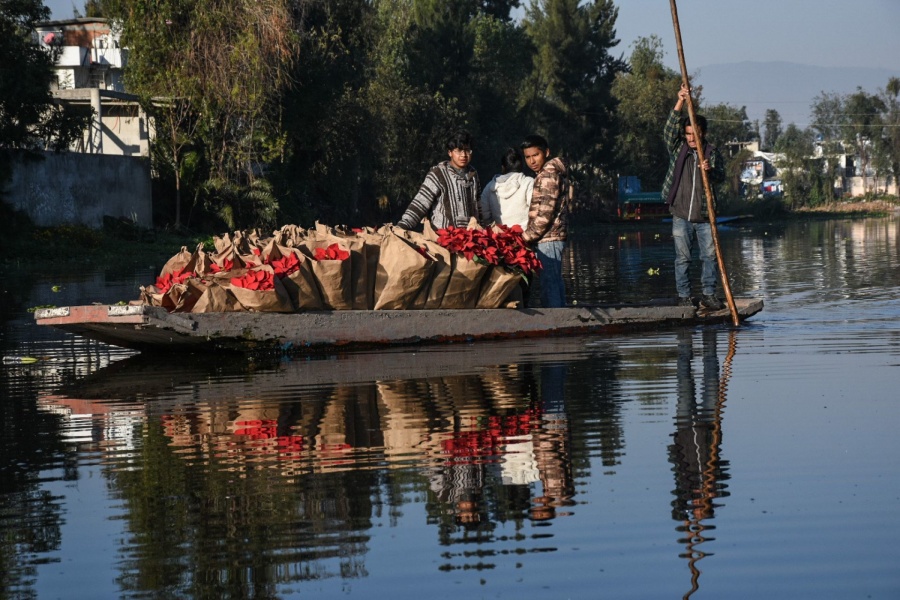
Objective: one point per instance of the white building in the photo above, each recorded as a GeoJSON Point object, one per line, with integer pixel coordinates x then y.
{"type": "Point", "coordinates": [89, 75]}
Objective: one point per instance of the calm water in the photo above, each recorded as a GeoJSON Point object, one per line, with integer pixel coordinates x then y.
{"type": "Point", "coordinates": [706, 463]}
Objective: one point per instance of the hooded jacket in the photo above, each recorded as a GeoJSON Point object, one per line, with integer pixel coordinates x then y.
{"type": "Point", "coordinates": [548, 213]}
{"type": "Point", "coordinates": [506, 199]}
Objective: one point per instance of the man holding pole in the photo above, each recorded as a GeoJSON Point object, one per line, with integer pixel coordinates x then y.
{"type": "Point", "coordinates": [683, 192]}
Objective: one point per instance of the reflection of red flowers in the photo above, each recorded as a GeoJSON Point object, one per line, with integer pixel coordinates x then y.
{"type": "Point", "coordinates": [260, 280]}
{"type": "Point", "coordinates": [285, 265]}
{"type": "Point", "coordinates": [332, 252]}
{"type": "Point", "coordinates": [493, 432]}
{"type": "Point", "coordinates": [501, 247]}
{"type": "Point", "coordinates": [165, 282]}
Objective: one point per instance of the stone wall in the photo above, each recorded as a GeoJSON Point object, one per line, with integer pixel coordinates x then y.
{"type": "Point", "coordinates": [74, 188]}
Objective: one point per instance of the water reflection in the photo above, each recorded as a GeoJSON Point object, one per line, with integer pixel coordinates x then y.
{"type": "Point", "coordinates": [488, 469]}
{"type": "Point", "coordinates": [296, 458]}
{"type": "Point", "coordinates": [700, 471]}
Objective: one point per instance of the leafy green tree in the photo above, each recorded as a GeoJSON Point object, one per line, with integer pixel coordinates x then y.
{"type": "Point", "coordinates": [772, 129]}
{"type": "Point", "coordinates": [219, 69]}
{"type": "Point", "coordinates": [729, 126]}
{"type": "Point", "coordinates": [862, 127]}
{"type": "Point", "coordinates": [891, 136]}
{"type": "Point", "coordinates": [29, 119]}
{"type": "Point", "coordinates": [569, 96]}
{"type": "Point", "coordinates": [645, 95]}
{"type": "Point", "coordinates": [796, 146]}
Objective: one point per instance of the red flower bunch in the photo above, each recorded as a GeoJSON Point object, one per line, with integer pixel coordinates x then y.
{"type": "Point", "coordinates": [332, 252]}
{"type": "Point", "coordinates": [260, 280]}
{"type": "Point", "coordinates": [502, 247]}
{"type": "Point", "coordinates": [227, 265]}
{"type": "Point", "coordinates": [285, 265]}
{"type": "Point", "coordinates": [513, 251]}
{"type": "Point", "coordinates": [459, 241]}
{"type": "Point", "coordinates": [165, 282]}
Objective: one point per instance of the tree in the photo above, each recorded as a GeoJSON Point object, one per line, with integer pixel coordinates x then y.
{"type": "Point", "coordinates": [796, 146]}
{"type": "Point", "coordinates": [891, 136]}
{"type": "Point", "coordinates": [645, 95]}
{"type": "Point", "coordinates": [862, 126]}
{"type": "Point", "coordinates": [772, 131]}
{"type": "Point", "coordinates": [220, 68]}
{"type": "Point", "coordinates": [728, 125]}
{"type": "Point", "coordinates": [569, 96]}
{"type": "Point", "coordinates": [29, 119]}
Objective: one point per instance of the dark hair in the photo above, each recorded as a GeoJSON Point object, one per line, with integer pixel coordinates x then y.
{"type": "Point", "coordinates": [461, 139]}
{"type": "Point", "coordinates": [701, 123]}
{"type": "Point", "coordinates": [535, 141]}
{"type": "Point", "coordinates": [511, 161]}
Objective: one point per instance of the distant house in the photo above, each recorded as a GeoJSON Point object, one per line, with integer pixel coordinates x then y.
{"type": "Point", "coordinates": [105, 174]}
{"type": "Point", "coordinates": [89, 76]}
{"type": "Point", "coordinates": [759, 176]}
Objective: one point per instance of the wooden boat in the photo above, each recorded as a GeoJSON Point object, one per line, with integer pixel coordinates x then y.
{"type": "Point", "coordinates": [153, 328]}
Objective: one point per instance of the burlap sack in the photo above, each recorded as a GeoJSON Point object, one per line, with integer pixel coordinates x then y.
{"type": "Point", "coordinates": [496, 287]}
{"type": "Point", "coordinates": [217, 298]}
{"type": "Point", "coordinates": [402, 272]}
{"type": "Point", "coordinates": [292, 235]}
{"type": "Point", "coordinates": [332, 277]}
{"type": "Point", "coordinates": [301, 285]}
{"type": "Point", "coordinates": [182, 297]}
{"type": "Point", "coordinates": [465, 283]}
{"type": "Point", "coordinates": [270, 300]}
{"type": "Point", "coordinates": [372, 241]}
{"type": "Point", "coordinates": [433, 293]}
{"type": "Point", "coordinates": [359, 269]}
{"type": "Point", "coordinates": [177, 263]}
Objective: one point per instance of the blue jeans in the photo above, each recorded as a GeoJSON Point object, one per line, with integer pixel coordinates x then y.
{"type": "Point", "coordinates": [553, 290]}
{"type": "Point", "coordinates": [684, 233]}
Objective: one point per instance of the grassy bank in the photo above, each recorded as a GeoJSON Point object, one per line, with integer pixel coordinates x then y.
{"type": "Point", "coordinates": [118, 245]}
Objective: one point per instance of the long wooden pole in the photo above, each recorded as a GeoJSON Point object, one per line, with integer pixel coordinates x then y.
{"type": "Point", "coordinates": [698, 136]}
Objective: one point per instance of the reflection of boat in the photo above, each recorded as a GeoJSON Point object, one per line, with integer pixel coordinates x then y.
{"type": "Point", "coordinates": [146, 327]}
{"type": "Point", "coordinates": [150, 375]}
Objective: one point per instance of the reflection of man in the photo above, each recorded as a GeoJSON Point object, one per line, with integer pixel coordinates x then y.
{"type": "Point", "coordinates": [551, 447]}
{"type": "Point", "coordinates": [699, 472]}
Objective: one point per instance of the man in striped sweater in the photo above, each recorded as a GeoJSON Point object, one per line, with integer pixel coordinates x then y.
{"type": "Point", "coordinates": [451, 191]}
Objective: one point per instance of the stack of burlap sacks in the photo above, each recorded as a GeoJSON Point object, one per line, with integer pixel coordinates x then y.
{"type": "Point", "coordinates": [384, 269]}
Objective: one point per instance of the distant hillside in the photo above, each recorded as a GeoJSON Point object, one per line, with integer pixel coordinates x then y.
{"type": "Point", "coordinates": [787, 87]}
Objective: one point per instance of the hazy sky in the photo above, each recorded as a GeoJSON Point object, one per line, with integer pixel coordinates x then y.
{"type": "Point", "coordinates": [828, 33]}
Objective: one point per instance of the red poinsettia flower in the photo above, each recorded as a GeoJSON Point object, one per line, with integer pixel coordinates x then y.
{"type": "Point", "coordinates": [165, 282]}
{"type": "Point", "coordinates": [260, 280]}
{"type": "Point", "coordinates": [227, 265]}
{"type": "Point", "coordinates": [501, 247]}
{"type": "Point", "coordinates": [332, 252]}
{"type": "Point", "coordinates": [285, 265]}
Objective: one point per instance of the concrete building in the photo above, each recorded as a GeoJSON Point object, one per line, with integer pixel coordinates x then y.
{"type": "Point", "coordinates": [107, 172]}
{"type": "Point", "coordinates": [89, 76]}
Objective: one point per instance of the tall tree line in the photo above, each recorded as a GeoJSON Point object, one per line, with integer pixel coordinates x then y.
{"type": "Point", "coordinates": [298, 110]}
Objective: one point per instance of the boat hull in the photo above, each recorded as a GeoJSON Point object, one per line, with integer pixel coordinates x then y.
{"type": "Point", "coordinates": [152, 328]}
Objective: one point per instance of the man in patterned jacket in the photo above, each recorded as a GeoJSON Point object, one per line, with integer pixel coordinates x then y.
{"type": "Point", "coordinates": [450, 193]}
{"type": "Point", "coordinates": [547, 217]}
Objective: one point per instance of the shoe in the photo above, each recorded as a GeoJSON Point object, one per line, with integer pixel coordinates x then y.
{"type": "Point", "coordinates": [685, 301]}
{"type": "Point", "coordinates": [711, 302]}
